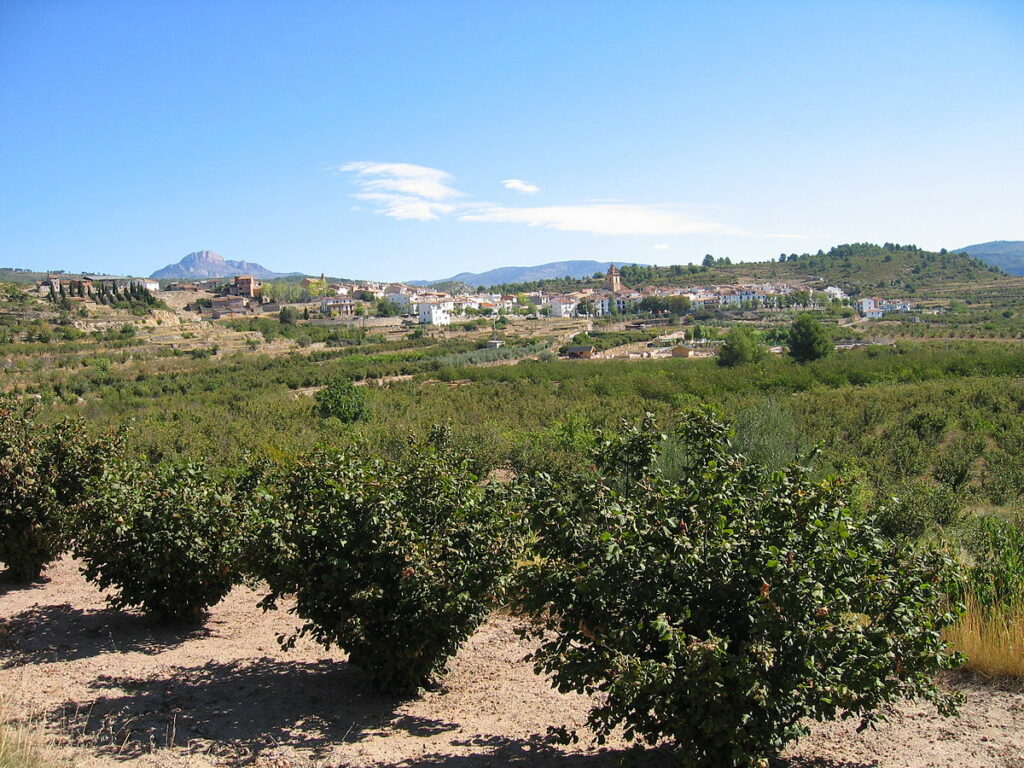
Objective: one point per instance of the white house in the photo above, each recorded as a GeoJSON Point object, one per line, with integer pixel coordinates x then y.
{"type": "Point", "coordinates": [563, 306]}
{"type": "Point", "coordinates": [865, 305]}
{"type": "Point", "coordinates": [150, 285]}
{"type": "Point", "coordinates": [342, 305]}
{"type": "Point", "coordinates": [435, 313]}
{"type": "Point", "coordinates": [835, 292]}
{"type": "Point", "coordinates": [603, 305]}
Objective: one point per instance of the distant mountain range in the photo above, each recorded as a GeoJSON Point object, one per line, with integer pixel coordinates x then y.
{"type": "Point", "coordinates": [201, 265]}
{"type": "Point", "coordinates": [1008, 255]}
{"type": "Point", "coordinates": [526, 274]}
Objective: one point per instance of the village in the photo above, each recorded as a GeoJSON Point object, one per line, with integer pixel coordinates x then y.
{"type": "Point", "coordinates": [245, 295]}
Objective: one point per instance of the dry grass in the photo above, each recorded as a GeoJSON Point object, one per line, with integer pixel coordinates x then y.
{"type": "Point", "coordinates": [24, 745]}
{"type": "Point", "coordinates": [993, 641]}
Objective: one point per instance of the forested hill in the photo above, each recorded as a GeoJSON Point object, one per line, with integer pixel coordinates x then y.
{"type": "Point", "coordinates": [1008, 255]}
{"type": "Point", "coordinates": [859, 268]}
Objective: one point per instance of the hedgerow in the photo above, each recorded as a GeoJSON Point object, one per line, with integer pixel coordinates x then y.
{"type": "Point", "coordinates": [723, 610]}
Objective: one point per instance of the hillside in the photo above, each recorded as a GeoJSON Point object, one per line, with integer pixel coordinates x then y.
{"type": "Point", "coordinates": [550, 271]}
{"type": "Point", "coordinates": [201, 265]}
{"type": "Point", "coordinates": [1008, 255]}
{"type": "Point", "coordinates": [858, 268]}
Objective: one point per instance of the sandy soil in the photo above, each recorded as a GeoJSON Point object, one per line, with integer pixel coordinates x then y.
{"type": "Point", "coordinates": [127, 693]}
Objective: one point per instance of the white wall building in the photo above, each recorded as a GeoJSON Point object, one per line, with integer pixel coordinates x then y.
{"type": "Point", "coordinates": [435, 313]}
{"type": "Point", "coordinates": [563, 306]}
{"type": "Point", "coordinates": [150, 285]}
{"type": "Point", "coordinates": [836, 292]}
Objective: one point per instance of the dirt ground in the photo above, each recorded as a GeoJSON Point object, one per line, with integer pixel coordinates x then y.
{"type": "Point", "coordinates": [125, 693]}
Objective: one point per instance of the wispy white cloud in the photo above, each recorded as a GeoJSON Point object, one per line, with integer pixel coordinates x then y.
{"type": "Point", "coordinates": [420, 193]}
{"type": "Point", "coordinates": [601, 219]}
{"type": "Point", "coordinates": [521, 186]}
{"type": "Point", "coordinates": [661, 247]}
{"type": "Point", "coordinates": [404, 190]}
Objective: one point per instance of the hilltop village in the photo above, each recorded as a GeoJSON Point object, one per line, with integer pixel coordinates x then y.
{"type": "Point", "coordinates": [245, 295]}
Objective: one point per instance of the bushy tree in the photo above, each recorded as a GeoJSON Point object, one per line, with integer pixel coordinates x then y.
{"type": "Point", "coordinates": [44, 470]}
{"type": "Point", "coordinates": [165, 539]}
{"type": "Point", "coordinates": [386, 308]}
{"type": "Point", "coordinates": [723, 610]}
{"type": "Point", "coordinates": [395, 562]}
{"type": "Point", "coordinates": [341, 400]}
{"type": "Point", "coordinates": [741, 346]}
{"type": "Point", "coordinates": [809, 340]}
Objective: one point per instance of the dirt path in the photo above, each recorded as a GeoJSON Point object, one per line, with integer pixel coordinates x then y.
{"type": "Point", "coordinates": [130, 694]}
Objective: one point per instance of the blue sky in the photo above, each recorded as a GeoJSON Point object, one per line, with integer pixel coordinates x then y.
{"type": "Point", "coordinates": [401, 140]}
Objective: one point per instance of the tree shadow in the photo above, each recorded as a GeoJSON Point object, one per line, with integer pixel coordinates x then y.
{"type": "Point", "coordinates": [61, 632]}
{"type": "Point", "coordinates": [536, 752]}
{"type": "Point", "coordinates": [818, 762]}
{"type": "Point", "coordinates": [236, 710]}
{"type": "Point", "coordinates": [9, 582]}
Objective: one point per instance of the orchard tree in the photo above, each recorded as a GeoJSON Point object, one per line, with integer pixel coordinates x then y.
{"type": "Point", "coordinates": [397, 562]}
{"type": "Point", "coordinates": [45, 470]}
{"type": "Point", "coordinates": [165, 539]}
{"type": "Point", "coordinates": [341, 400]}
{"type": "Point", "coordinates": [724, 609]}
{"type": "Point", "coordinates": [809, 340]}
{"type": "Point", "coordinates": [741, 346]}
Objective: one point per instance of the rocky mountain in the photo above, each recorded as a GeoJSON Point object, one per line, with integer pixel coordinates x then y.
{"type": "Point", "coordinates": [201, 265]}
{"type": "Point", "coordinates": [526, 274]}
{"type": "Point", "coordinates": [1008, 255]}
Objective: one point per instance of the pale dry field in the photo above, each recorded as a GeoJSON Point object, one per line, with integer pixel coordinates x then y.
{"type": "Point", "coordinates": [125, 693]}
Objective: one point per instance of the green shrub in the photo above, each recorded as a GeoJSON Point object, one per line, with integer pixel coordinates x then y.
{"type": "Point", "coordinates": [912, 508]}
{"type": "Point", "coordinates": [723, 610]}
{"type": "Point", "coordinates": [995, 578]}
{"type": "Point", "coordinates": [395, 562]}
{"type": "Point", "coordinates": [741, 346]}
{"type": "Point", "coordinates": [166, 539]}
{"type": "Point", "coordinates": [341, 400]}
{"type": "Point", "coordinates": [43, 473]}
{"type": "Point", "coordinates": [809, 339]}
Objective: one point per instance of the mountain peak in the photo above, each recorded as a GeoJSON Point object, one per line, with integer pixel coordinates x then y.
{"type": "Point", "coordinates": [201, 265]}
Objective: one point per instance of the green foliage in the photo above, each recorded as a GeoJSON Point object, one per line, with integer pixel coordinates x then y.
{"type": "Point", "coordinates": [396, 562]}
{"type": "Point", "coordinates": [766, 432]}
{"type": "Point", "coordinates": [809, 340]}
{"type": "Point", "coordinates": [995, 578]}
{"type": "Point", "coordinates": [44, 470]}
{"type": "Point", "coordinates": [741, 346]}
{"type": "Point", "coordinates": [723, 610]}
{"type": "Point", "coordinates": [164, 538]}
{"type": "Point", "coordinates": [602, 340]}
{"type": "Point", "coordinates": [913, 507]}
{"type": "Point", "coordinates": [341, 400]}
{"type": "Point", "coordinates": [386, 308]}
